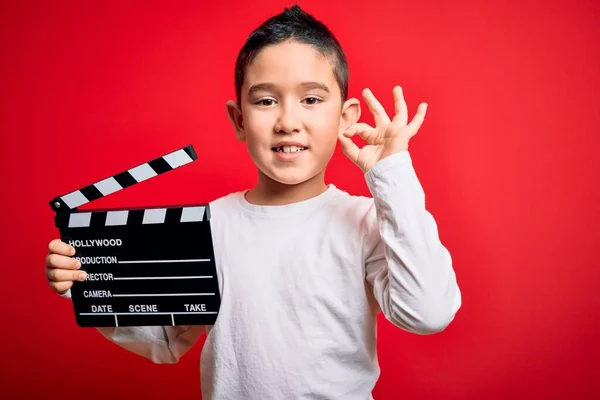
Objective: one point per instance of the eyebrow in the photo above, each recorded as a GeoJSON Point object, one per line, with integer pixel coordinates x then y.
{"type": "Point", "coordinates": [271, 87]}
{"type": "Point", "coordinates": [315, 85]}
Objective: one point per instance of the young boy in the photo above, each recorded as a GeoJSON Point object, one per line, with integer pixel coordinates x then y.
{"type": "Point", "coordinates": [303, 267]}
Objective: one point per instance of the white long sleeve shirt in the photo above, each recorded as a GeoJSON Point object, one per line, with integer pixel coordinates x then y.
{"type": "Point", "coordinates": [301, 286]}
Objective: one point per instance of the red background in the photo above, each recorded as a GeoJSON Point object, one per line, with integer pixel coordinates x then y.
{"type": "Point", "coordinates": [507, 156]}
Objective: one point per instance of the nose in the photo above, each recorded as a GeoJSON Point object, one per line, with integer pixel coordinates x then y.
{"type": "Point", "coordinates": [288, 121]}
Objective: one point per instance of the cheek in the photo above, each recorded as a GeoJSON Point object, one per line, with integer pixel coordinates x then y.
{"type": "Point", "coordinates": [325, 126]}
{"type": "Point", "coordinates": [258, 126]}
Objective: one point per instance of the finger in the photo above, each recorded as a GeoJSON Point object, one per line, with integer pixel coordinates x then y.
{"type": "Point", "coordinates": [349, 148]}
{"type": "Point", "coordinates": [57, 246]}
{"type": "Point", "coordinates": [379, 114]}
{"type": "Point", "coordinates": [419, 117]}
{"type": "Point", "coordinates": [62, 262]}
{"type": "Point", "coordinates": [61, 287]}
{"type": "Point", "coordinates": [365, 131]}
{"type": "Point", "coordinates": [400, 106]}
{"type": "Point", "coordinates": [65, 275]}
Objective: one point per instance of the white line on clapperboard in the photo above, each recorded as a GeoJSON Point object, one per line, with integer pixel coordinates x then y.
{"type": "Point", "coordinates": [150, 313]}
{"type": "Point", "coordinates": [133, 278]}
{"type": "Point", "coordinates": [162, 294]}
{"type": "Point", "coordinates": [163, 261]}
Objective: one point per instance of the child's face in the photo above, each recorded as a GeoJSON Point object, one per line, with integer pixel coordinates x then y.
{"type": "Point", "coordinates": [291, 112]}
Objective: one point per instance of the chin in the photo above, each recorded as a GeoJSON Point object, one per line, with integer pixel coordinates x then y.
{"type": "Point", "coordinates": [290, 178]}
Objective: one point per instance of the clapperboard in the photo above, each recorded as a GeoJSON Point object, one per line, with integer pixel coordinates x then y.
{"type": "Point", "coordinates": [146, 266]}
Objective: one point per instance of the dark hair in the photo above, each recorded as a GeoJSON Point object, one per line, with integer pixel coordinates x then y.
{"type": "Point", "coordinates": [292, 24]}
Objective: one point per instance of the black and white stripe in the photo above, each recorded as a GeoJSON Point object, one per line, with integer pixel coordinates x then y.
{"type": "Point", "coordinates": [160, 165]}
{"type": "Point", "coordinates": [150, 216]}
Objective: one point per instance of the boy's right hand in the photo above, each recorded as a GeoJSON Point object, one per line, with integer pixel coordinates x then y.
{"type": "Point", "coordinates": [61, 269]}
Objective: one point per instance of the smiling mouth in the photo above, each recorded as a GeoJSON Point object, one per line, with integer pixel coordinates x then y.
{"type": "Point", "coordinates": [288, 149]}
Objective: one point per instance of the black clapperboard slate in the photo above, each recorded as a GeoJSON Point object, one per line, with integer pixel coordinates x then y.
{"type": "Point", "coordinates": [150, 266]}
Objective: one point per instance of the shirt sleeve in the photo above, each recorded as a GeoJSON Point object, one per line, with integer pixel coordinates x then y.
{"type": "Point", "coordinates": [160, 344]}
{"type": "Point", "coordinates": [407, 266]}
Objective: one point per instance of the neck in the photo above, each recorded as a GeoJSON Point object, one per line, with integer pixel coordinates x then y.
{"type": "Point", "coordinates": [272, 193]}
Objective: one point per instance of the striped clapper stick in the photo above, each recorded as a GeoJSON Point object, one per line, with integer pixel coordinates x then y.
{"type": "Point", "coordinates": [146, 266]}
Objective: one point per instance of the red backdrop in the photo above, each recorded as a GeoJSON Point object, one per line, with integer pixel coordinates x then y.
{"type": "Point", "coordinates": [507, 156]}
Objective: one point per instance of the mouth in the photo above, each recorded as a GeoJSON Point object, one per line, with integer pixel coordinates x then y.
{"type": "Point", "coordinates": [288, 149]}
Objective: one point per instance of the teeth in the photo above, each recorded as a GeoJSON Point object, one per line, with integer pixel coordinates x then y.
{"type": "Point", "coordinates": [289, 149]}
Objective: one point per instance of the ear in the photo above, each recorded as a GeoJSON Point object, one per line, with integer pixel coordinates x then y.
{"type": "Point", "coordinates": [234, 112]}
{"type": "Point", "coordinates": [350, 114]}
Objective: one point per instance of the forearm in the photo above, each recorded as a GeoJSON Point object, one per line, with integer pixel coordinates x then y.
{"type": "Point", "coordinates": [410, 268]}
{"type": "Point", "coordinates": [160, 344]}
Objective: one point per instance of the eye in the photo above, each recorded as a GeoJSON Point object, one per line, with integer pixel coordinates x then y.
{"type": "Point", "coordinates": [265, 102]}
{"type": "Point", "coordinates": [312, 100]}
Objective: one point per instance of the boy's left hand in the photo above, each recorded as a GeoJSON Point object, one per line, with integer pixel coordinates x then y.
{"type": "Point", "coordinates": [388, 137]}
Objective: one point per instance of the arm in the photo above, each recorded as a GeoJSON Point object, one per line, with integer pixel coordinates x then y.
{"type": "Point", "coordinates": [409, 269]}
{"type": "Point", "coordinates": [160, 344]}
{"type": "Point", "coordinates": [407, 266]}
